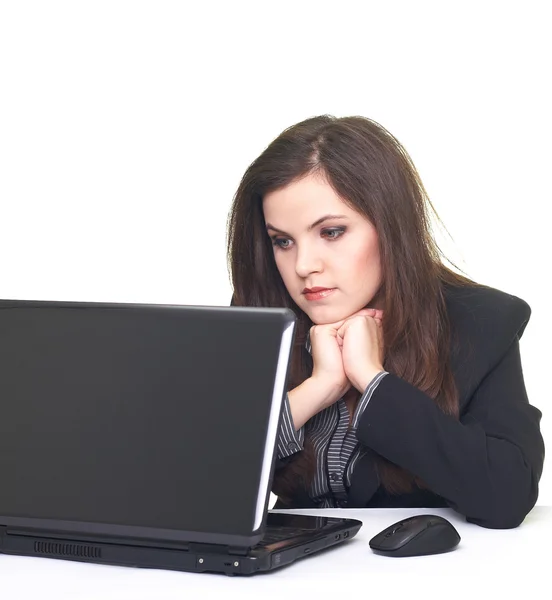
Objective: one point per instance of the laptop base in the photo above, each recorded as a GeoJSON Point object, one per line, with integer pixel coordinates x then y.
{"type": "Point", "coordinates": [301, 536]}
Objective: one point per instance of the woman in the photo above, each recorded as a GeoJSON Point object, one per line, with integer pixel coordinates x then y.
{"type": "Point", "coordinates": [406, 387]}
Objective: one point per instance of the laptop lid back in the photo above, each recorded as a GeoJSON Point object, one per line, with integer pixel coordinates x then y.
{"type": "Point", "coordinates": [145, 421]}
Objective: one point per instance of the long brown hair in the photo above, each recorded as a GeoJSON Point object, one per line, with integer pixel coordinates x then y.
{"type": "Point", "coordinates": [371, 171]}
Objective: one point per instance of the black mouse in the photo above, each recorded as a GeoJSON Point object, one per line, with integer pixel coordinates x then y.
{"type": "Point", "coordinates": [416, 536]}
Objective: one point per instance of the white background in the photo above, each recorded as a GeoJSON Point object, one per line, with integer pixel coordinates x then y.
{"type": "Point", "coordinates": [125, 128]}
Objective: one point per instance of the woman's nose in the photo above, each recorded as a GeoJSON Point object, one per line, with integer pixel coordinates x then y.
{"type": "Point", "coordinates": [308, 261]}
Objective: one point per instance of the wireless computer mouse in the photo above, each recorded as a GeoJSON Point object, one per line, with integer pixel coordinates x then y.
{"type": "Point", "coordinates": [416, 536]}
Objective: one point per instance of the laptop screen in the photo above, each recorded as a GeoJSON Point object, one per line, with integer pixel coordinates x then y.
{"type": "Point", "coordinates": [135, 415]}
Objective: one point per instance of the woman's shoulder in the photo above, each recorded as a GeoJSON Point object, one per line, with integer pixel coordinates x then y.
{"type": "Point", "coordinates": [484, 310]}
{"type": "Point", "coordinates": [484, 323]}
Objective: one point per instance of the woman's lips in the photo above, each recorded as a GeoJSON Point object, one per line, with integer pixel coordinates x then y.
{"type": "Point", "coordinates": [312, 296]}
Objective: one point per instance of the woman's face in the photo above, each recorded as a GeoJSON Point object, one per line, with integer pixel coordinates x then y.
{"type": "Point", "coordinates": [339, 252]}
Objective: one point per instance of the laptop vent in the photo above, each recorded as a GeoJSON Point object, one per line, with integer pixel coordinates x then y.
{"type": "Point", "coordinates": [59, 549]}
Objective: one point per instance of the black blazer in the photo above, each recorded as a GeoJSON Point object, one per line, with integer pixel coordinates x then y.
{"type": "Point", "coordinates": [487, 464]}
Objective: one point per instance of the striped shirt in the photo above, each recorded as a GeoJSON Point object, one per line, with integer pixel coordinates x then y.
{"type": "Point", "coordinates": [336, 447]}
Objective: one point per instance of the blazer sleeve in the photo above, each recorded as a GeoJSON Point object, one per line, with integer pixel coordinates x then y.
{"type": "Point", "coordinates": [487, 465]}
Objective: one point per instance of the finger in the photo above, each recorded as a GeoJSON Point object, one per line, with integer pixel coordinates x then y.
{"type": "Point", "coordinates": [337, 324]}
{"type": "Point", "coordinates": [341, 331]}
{"type": "Point", "coordinates": [333, 327]}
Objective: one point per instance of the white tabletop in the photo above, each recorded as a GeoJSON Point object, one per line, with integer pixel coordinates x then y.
{"type": "Point", "coordinates": [491, 561]}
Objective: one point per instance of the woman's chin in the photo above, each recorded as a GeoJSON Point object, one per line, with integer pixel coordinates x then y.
{"type": "Point", "coordinates": [325, 315]}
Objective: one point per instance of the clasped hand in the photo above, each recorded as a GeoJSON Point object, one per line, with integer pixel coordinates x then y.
{"type": "Point", "coordinates": [348, 352]}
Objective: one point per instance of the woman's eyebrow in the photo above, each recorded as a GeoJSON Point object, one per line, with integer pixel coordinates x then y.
{"type": "Point", "coordinates": [310, 227]}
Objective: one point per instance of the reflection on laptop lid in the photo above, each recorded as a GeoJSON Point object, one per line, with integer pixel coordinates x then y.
{"type": "Point", "coordinates": [145, 435]}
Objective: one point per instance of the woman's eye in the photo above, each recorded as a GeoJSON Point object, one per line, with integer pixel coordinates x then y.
{"type": "Point", "coordinates": [279, 242]}
{"type": "Point", "coordinates": [333, 234]}
{"type": "Point", "coordinates": [329, 234]}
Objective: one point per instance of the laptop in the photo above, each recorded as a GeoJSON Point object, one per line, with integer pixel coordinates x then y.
{"type": "Point", "coordinates": [145, 435]}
